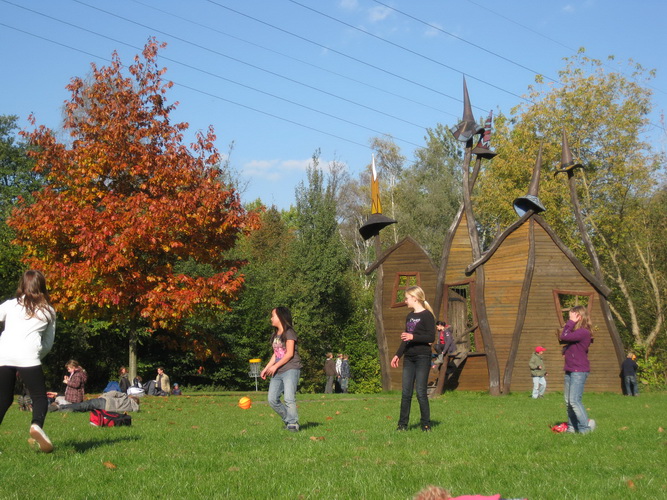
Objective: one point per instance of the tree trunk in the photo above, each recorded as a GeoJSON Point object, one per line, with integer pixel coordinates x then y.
{"type": "Point", "coordinates": [132, 369]}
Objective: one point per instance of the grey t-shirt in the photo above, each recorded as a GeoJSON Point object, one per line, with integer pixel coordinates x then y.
{"type": "Point", "coordinates": [280, 347]}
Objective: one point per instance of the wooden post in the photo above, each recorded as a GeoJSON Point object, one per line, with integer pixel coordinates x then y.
{"type": "Point", "coordinates": [482, 319]}
{"type": "Point", "coordinates": [383, 350]}
{"type": "Point", "coordinates": [523, 306]}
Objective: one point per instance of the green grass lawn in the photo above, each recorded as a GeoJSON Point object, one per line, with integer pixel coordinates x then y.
{"type": "Point", "coordinates": [204, 446]}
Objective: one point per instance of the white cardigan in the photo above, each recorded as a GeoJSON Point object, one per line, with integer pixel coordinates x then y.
{"type": "Point", "coordinates": [25, 341]}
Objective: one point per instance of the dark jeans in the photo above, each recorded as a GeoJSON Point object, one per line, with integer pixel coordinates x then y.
{"type": "Point", "coordinates": [631, 387]}
{"type": "Point", "coordinates": [91, 404]}
{"type": "Point", "coordinates": [415, 376]}
{"type": "Point", "coordinates": [33, 378]}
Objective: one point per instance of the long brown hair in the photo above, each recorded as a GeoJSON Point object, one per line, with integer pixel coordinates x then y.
{"type": "Point", "coordinates": [584, 320]}
{"type": "Point", "coordinates": [285, 318]}
{"type": "Point", "coordinates": [33, 295]}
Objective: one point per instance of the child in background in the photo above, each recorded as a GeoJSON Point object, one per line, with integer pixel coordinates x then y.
{"type": "Point", "coordinates": [539, 372]}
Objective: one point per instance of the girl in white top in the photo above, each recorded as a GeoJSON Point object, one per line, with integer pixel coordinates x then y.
{"type": "Point", "coordinates": [29, 330]}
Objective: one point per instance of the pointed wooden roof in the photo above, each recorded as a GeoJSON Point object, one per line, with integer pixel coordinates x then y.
{"type": "Point", "coordinates": [393, 248]}
{"type": "Point", "coordinates": [588, 276]}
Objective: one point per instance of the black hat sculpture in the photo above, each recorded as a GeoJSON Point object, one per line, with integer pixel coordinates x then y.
{"type": "Point", "coordinates": [531, 202]}
{"type": "Point", "coordinates": [567, 164]}
{"type": "Point", "coordinates": [483, 148]}
{"type": "Point", "coordinates": [376, 221]}
{"type": "Point", "coordinates": [467, 127]}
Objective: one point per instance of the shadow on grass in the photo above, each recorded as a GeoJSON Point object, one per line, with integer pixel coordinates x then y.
{"type": "Point", "coordinates": [91, 444]}
{"type": "Point", "coordinates": [309, 425]}
{"type": "Point", "coordinates": [434, 425]}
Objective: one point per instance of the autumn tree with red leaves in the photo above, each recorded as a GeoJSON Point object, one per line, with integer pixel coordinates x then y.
{"type": "Point", "coordinates": [126, 204]}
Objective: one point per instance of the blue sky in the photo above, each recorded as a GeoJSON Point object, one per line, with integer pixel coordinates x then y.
{"type": "Point", "coordinates": [282, 78]}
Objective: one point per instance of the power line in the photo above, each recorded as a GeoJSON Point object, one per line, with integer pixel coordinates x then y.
{"type": "Point", "coordinates": [219, 77]}
{"type": "Point", "coordinates": [410, 50]}
{"type": "Point", "coordinates": [76, 49]}
{"type": "Point", "coordinates": [251, 66]}
{"type": "Point", "coordinates": [495, 54]}
{"type": "Point", "coordinates": [341, 53]}
{"type": "Point", "coordinates": [301, 61]}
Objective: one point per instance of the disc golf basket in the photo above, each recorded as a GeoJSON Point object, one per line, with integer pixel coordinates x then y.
{"type": "Point", "coordinates": [255, 369]}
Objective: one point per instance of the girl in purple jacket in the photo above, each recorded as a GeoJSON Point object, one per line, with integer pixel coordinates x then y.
{"type": "Point", "coordinates": [576, 336]}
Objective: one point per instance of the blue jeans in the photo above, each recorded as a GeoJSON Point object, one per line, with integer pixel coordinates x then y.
{"type": "Point", "coordinates": [577, 418]}
{"type": "Point", "coordinates": [88, 405]}
{"type": "Point", "coordinates": [285, 383]}
{"type": "Point", "coordinates": [631, 387]}
{"type": "Point", "coordinates": [539, 386]}
{"type": "Point", "coordinates": [415, 375]}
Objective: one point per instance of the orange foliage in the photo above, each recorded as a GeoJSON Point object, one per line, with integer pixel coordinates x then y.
{"type": "Point", "coordinates": [125, 201]}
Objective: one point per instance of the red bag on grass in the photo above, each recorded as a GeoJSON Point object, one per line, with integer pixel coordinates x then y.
{"type": "Point", "coordinates": [103, 418]}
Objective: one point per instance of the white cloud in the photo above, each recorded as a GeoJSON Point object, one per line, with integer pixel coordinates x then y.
{"type": "Point", "coordinates": [349, 4]}
{"type": "Point", "coordinates": [379, 13]}
{"type": "Point", "coordinates": [433, 30]}
{"type": "Point", "coordinates": [274, 170]}
{"type": "Point", "coordinates": [569, 8]}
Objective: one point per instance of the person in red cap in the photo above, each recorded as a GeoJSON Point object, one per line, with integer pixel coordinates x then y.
{"type": "Point", "coordinates": [539, 372]}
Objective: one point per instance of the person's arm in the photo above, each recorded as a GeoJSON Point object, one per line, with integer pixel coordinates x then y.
{"type": "Point", "coordinates": [268, 365]}
{"type": "Point", "coordinates": [75, 380]}
{"type": "Point", "coordinates": [48, 336]}
{"type": "Point", "coordinates": [424, 332]}
{"type": "Point", "coordinates": [570, 335]}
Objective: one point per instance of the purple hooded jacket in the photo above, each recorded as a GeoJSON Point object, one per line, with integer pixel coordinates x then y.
{"type": "Point", "coordinates": [575, 350]}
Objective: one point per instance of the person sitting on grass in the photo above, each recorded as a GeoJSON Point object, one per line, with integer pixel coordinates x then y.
{"type": "Point", "coordinates": [110, 401]}
{"type": "Point", "coordinates": [75, 382]}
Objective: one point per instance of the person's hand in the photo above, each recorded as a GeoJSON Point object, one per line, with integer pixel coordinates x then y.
{"type": "Point", "coordinates": [66, 379]}
{"type": "Point", "coordinates": [270, 371]}
{"type": "Point", "coordinates": [575, 316]}
{"type": "Point", "coordinates": [263, 373]}
{"type": "Point", "coordinates": [407, 336]}
{"type": "Point", "coordinates": [394, 362]}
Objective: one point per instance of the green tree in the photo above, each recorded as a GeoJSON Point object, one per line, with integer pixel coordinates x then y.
{"type": "Point", "coordinates": [606, 117]}
{"type": "Point", "coordinates": [428, 193]}
{"type": "Point", "coordinates": [126, 203]}
{"type": "Point", "coordinates": [319, 284]}
{"type": "Point", "coordinates": [17, 180]}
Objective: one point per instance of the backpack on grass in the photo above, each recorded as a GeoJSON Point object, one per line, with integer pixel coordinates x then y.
{"type": "Point", "coordinates": [103, 418]}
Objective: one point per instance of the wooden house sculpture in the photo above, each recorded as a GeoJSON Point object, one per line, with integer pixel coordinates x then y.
{"type": "Point", "coordinates": [403, 265]}
{"type": "Point", "coordinates": [501, 303]}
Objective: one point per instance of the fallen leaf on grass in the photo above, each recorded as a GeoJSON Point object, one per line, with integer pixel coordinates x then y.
{"type": "Point", "coordinates": [423, 452]}
{"type": "Point", "coordinates": [317, 438]}
{"type": "Point", "coordinates": [337, 413]}
{"type": "Point", "coordinates": [660, 429]}
{"type": "Point", "coordinates": [195, 427]}
{"type": "Point", "coordinates": [631, 484]}
{"type": "Point", "coordinates": [244, 431]}
{"type": "Point", "coordinates": [233, 469]}
{"type": "Point", "coordinates": [329, 418]}
{"type": "Point", "coordinates": [109, 465]}
{"type": "Point", "coordinates": [624, 428]}
{"type": "Point", "coordinates": [389, 417]}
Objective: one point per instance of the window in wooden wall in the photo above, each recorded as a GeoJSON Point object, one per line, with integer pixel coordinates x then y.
{"type": "Point", "coordinates": [402, 282]}
{"type": "Point", "coordinates": [566, 300]}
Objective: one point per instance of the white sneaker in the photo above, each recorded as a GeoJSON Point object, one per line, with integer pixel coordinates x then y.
{"type": "Point", "coordinates": [592, 424]}
{"type": "Point", "coordinates": [41, 438]}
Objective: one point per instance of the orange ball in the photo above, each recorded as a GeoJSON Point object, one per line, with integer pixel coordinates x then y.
{"type": "Point", "coordinates": [245, 403]}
